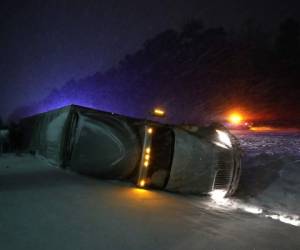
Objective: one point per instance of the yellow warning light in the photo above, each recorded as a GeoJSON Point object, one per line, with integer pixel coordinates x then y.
{"type": "Point", "coordinates": [159, 112]}
{"type": "Point", "coordinates": [235, 118]}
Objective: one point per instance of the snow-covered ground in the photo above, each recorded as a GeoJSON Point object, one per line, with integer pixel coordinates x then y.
{"type": "Point", "coordinates": [42, 207]}
{"type": "Point", "coordinates": [271, 171]}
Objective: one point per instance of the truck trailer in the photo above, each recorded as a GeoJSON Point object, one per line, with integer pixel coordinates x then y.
{"type": "Point", "coordinates": [176, 158]}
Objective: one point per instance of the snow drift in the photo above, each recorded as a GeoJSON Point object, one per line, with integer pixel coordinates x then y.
{"type": "Point", "coordinates": [269, 184]}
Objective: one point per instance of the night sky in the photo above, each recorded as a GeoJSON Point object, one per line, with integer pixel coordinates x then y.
{"type": "Point", "coordinates": [45, 43]}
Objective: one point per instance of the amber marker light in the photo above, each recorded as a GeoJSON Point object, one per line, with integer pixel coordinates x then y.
{"type": "Point", "coordinates": [159, 112]}
{"type": "Point", "coordinates": [142, 183]}
{"type": "Point", "coordinates": [146, 163]}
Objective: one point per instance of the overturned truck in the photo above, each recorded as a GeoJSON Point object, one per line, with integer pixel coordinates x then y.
{"type": "Point", "coordinates": [184, 159]}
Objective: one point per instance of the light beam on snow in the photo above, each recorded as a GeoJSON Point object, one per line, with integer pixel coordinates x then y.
{"type": "Point", "coordinates": [220, 201]}
{"type": "Point", "coordinates": [253, 210]}
{"type": "Point", "coordinates": [218, 195]}
{"type": "Point", "coordinates": [289, 219]}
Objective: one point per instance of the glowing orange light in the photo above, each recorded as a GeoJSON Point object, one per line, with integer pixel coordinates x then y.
{"type": "Point", "coordinates": [150, 130]}
{"type": "Point", "coordinates": [142, 183]}
{"type": "Point", "coordinates": [147, 157]}
{"type": "Point", "coordinates": [148, 150]}
{"type": "Point", "coordinates": [235, 118]}
{"type": "Point", "coordinates": [159, 112]}
{"type": "Point", "coordinates": [146, 163]}
{"type": "Point", "coordinates": [264, 129]}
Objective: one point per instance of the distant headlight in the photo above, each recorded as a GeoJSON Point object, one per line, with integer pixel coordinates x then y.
{"type": "Point", "coordinates": [223, 139]}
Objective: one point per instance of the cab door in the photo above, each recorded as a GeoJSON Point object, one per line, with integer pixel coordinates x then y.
{"type": "Point", "coordinates": [157, 154]}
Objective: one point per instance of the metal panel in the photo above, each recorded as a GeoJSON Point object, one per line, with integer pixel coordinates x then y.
{"type": "Point", "coordinates": [193, 164]}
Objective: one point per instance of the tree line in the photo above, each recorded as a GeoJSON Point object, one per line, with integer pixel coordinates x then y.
{"type": "Point", "coordinates": [197, 73]}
